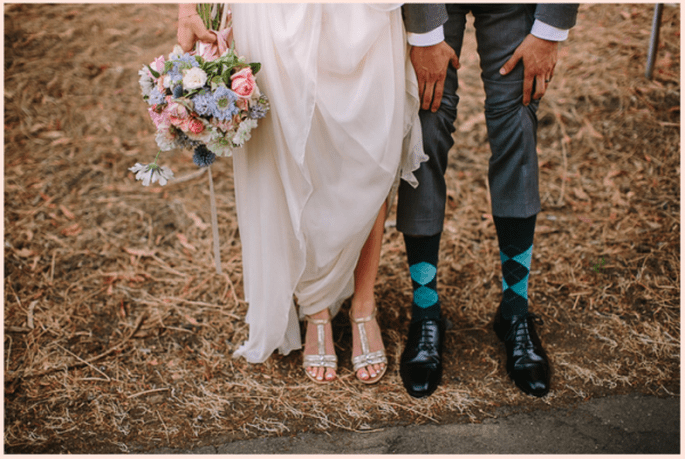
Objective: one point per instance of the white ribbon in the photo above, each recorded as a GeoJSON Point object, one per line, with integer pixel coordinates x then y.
{"type": "Point", "coordinates": [215, 224]}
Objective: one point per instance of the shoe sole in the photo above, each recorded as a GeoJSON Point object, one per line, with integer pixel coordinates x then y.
{"type": "Point", "coordinates": [323, 381]}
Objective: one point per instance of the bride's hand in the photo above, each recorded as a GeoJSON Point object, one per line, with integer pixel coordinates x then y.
{"type": "Point", "coordinates": [191, 28]}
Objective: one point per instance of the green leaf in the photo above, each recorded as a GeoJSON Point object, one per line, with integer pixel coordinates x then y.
{"type": "Point", "coordinates": [186, 103]}
{"type": "Point", "coordinates": [226, 77]}
{"type": "Point", "coordinates": [215, 82]}
{"type": "Point", "coordinates": [190, 93]}
{"type": "Point", "coordinates": [154, 74]}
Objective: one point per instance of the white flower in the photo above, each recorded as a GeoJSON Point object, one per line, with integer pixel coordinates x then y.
{"type": "Point", "coordinates": [243, 133]}
{"type": "Point", "coordinates": [176, 52]}
{"type": "Point", "coordinates": [194, 78]}
{"type": "Point", "coordinates": [164, 175]}
{"type": "Point", "coordinates": [166, 81]}
{"type": "Point", "coordinates": [151, 173]}
{"type": "Point", "coordinates": [165, 140]}
{"type": "Point", "coordinates": [220, 146]}
{"type": "Point", "coordinates": [255, 94]}
{"type": "Point", "coordinates": [137, 168]}
{"type": "Point", "coordinates": [146, 83]}
{"type": "Point", "coordinates": [143, 172]}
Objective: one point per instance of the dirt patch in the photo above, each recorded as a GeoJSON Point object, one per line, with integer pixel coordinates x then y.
{"type": "Point", "coordinates": [119, 333]}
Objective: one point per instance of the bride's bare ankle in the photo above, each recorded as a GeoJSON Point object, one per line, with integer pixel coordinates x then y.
{"type": "Point", "coordinates": [362, 308]}
{"type": "Point", "coordinates": [321, 315]}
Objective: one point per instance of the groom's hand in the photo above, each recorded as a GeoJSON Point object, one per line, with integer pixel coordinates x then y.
{"type": "Point", "coordinates": [430, 64]}
{"type": "Point", "coordinates": [539, 59]}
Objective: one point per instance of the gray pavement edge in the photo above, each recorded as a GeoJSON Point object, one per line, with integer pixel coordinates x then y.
{"type": "Point", "coordinates": [620, 424]}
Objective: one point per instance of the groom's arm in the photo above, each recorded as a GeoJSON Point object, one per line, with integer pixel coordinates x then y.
{"type": "Point", "coordinates": [558, 15]}
{"type": "Point", "coordinates": [539, 50]}
{"type": "Point", "coordinates": [430, 55]}
{"type": "Point", "coordinates": [423, 17]}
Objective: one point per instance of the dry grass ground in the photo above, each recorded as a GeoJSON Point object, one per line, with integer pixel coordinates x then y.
{"type": "Point", "coordinates": [118, 333]}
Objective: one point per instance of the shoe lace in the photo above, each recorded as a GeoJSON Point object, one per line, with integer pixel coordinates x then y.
{"type": "Point", "coordinates": [519, 332]}
{"type": "Point", "coordinates": [427, 338]}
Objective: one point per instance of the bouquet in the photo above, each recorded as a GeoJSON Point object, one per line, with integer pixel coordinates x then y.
{"type": "Point", "coordinates": [206, 100]}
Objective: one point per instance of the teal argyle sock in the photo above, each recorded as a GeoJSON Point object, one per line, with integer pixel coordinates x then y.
{"type": "Point", "coordinates": [515, 237]}
{"type": "Point", "coordinates": [422, 254]}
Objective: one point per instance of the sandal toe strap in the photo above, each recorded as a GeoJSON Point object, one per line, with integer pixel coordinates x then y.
{"type": "Point", "coordinates": [320, 360]}
{"type": "Point", "coordinates": [371, 358]}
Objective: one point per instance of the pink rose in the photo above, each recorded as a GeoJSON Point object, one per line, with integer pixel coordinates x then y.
{"type": "Point", "coordinates": [195, 126]}
{"type": "Point", "coordinates": [157, 65]}
{"type": "Point", "coordinates": [242, 104]}
{"type": "Point", "coordinates": [161, 120]}
{"type": "Point", "coordinates": [177, 110]}
{"type": "Point", "coordinates": [177, 113]}
{"type": "Point", "coordinates": [243, 83]}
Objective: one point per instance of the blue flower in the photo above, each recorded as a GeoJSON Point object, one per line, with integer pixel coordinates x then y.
{"type": "Point", "coordinates": [178, 91]}
{"type": "Point", "coordinates": [190, 60]}
{"type": "Point", "coordinates": [175, 76]}
{"type": "Point", "coordinates": [203, 157]}
{"type": "Point", "coordinates": [156, 97]}
{"type": "Point", "coordinates": [204, 103]}
{"type": "Point", "coordinates": [182, 63]}
{"type": "Point", "coordinates": [258, 112]}
{"type": "Point", "coordinates": [224, 99]}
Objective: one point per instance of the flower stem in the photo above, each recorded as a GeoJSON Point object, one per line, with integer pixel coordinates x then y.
{"type": "Point", "coordinates": [210, 14]}
{"type": "Point", "coordinates": [154, 163]}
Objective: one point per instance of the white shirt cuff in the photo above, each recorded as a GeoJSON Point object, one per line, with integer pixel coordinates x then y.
{"type": "Point", "coordinates": [431, 38]}
{"type": "Point", "coordinates": [548, 32]}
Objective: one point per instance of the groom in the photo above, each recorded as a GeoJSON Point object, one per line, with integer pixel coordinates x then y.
{"type": "Point", "coordinates": [517, 45]}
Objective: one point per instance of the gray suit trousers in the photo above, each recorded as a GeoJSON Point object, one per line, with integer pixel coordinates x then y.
{"type": "Point", "coordinates": [512, 127]}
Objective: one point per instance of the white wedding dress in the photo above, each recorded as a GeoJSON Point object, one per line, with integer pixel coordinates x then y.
{"type": "Point", "coordinates": [342, 128]}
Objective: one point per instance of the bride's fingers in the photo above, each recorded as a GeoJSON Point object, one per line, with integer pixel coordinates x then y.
{"type": "Point", "coordinates": [185, 38]}
{"type": "Point", "coordinates": [192, 29]}
{"type": "Point", "coordinates": [205, 35]}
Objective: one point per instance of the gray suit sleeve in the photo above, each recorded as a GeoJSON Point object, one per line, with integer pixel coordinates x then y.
{"type": "Point", "coordinates": [423, 17]}
{"type": "Point", "coordinates": [559, 15]}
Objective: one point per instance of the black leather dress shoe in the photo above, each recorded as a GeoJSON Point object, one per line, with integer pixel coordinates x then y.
{"type": "Point", "coordinates": [527, 362]}
{"type": "Point", "coordinates": [421, 361]}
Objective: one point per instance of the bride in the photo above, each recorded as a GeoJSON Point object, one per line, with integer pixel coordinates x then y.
{"type": "Point", "coordinates": [312, 185]}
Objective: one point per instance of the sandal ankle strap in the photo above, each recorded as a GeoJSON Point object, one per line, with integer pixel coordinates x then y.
{"type": "Point", "coordinates": [362, 320]}
{"type": "Point", "coordinates": [317, 321]}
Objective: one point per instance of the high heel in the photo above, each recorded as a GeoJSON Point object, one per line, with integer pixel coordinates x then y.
{"type": "Point", "coordinates": [321, 359]}
{"type": "Point", "coordinates": [368, 358]}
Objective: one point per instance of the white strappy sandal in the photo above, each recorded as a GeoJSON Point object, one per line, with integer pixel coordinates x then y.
{"type": "Point", "coordinates": [321, 359]}
{"type": "Point", "coordinates": [368, 358]}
